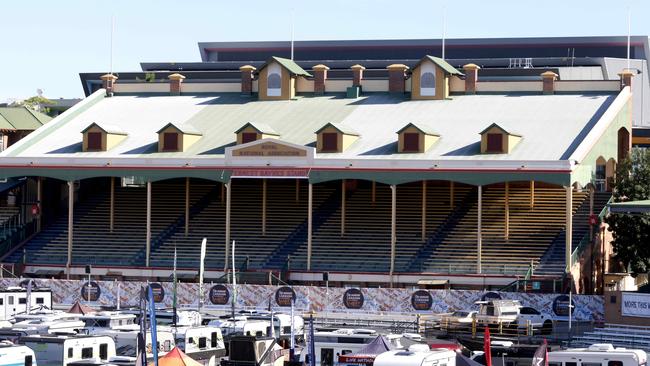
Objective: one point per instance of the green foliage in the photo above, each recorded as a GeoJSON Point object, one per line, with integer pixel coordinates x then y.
{"type": "Point", "coordinates": [631, 233]}
{"type": "Point", "coordinates": [37, 103]}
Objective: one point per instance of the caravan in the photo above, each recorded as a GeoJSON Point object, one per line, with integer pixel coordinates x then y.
{"type": "Point", "coordinates": [12, 354]}
{"type": "Point", "coordinates": [13, 300]}
{"type": "Point", "coordinates": [598, 355]}
{"type": "Point", "coordinates": [63, 350]}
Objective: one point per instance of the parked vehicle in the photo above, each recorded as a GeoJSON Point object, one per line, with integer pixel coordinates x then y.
{"type": "Point", "coordinates": [13, 354]}
{"type": "Point", "coordinates": [495, 312]}
{"type": "Point", "coordinates": [203, 344]}
{"type": "Point", "coordinates": [13, 300]}
{"type": "Point", "coordinates": [62, 350]}
{"type": "Point", "coordinates": [459, 319]}
{"type": "Point", "coordinates": [254, 351]}
{"type": "Point", "coordinates": [532, 316]}
{"type": "Point", "coordinates": [602, 354]}
{"type": "Point", "coordinates": [416, 355]}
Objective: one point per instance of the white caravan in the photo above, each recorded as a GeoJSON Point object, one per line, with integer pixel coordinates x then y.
{"type": "Point", "coordinates": [103, 320]}
{"type": "Point", "coordinates": [598, 355]}
{"type": "Point", "coordinates": [12, 355]}
{"type": "Point", "coordinates": [62, 350]}
{"type": "Point", "coordinates": [241, 325]}
{"type": "Point", "coordinates": [498, 312]}
{"type": "Point", "coordinates": [13, 300]}
{"type": "Point", "coordinates": [203, 344]}
{"type": "Point", "coordinates": [417, 355]}
{"type": "Point", "coordinates": [47, 322]}
{"type": "Point", "coordinates": [126, 344]}
{"type": "Point", "coordinates": [255, 351]}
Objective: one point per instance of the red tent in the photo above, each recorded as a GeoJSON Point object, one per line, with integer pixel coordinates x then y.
{"type": "Point", "coordinates": [78, 308]}
{"type": "Point", "coordinates": [176, 357]}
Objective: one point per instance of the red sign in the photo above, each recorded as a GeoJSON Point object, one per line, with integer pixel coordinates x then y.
{"type": "Point", "coordinates": [270, 173]}
{"type": "Point", "coordinates": [593, 219]}
{"type": "Point", "coordinates": [35, 210]}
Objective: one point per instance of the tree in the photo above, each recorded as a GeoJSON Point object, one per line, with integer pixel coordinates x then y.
{"type": "Point", "coordinates": [36, 103]}
{"type": "Point", "coordinates": [631, 233]}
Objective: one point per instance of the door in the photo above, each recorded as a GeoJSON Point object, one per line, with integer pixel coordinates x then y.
{"type": "Point", "coordinates": [327, 357]}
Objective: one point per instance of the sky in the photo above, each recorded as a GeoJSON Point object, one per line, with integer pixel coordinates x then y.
{"type": "Point", "coordinates": [46, 44]}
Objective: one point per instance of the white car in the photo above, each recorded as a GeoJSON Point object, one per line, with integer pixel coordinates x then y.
{"type": "Point", "coordinates": [460, 318]}
{"type": "Point", "coordinates": [536, 318]}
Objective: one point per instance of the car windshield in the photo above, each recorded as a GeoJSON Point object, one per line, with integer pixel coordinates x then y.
{"type": "Point", "coordinates": [460, 314]}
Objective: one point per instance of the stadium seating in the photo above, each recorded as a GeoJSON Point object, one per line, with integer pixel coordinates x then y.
{"type": "Point", "coordinates": [619, 335]}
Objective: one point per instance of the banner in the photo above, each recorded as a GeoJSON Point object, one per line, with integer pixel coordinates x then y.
{"type": "Point", "coordinates": [635, 304]}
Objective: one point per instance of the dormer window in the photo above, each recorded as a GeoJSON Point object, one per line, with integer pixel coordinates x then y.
{"type": "Point", "coordinates": [411, 142]}
{"type": "Point", "coordinates": [415, 138]}
{"type": "Point", "coordinates": [334, 138]}
{"type": "Point", "coordinates": [248, 137]}
{"type": "Point", "coordinates": [176, 137]}
{"type": "Point", "coordinates": [277, 79]}
{"type": "Point", "coordinates": [170, 141]}
{"type": "Point", "coordinates": [94, 141]}
{"type": "Point", "coordinates": [253, 131]}
{"type": "Point", "coordinates": [101, 137]}
{"type": "Point", "coordinates": [430, 78]}
{"type": "Point", "coordinates": [497, 140]}
{"type": "Point", "coordinates": [494, 142]}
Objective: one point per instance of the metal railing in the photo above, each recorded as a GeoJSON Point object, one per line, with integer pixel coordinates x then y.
{"type": "Point", "coordinates": [586, 239]}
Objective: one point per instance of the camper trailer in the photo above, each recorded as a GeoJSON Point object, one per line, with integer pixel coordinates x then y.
{"type": "Point", "coordinates": [126, 344]}
{"type": "Point", "coordinates": [255, 351]}
{"type": "Point", "coordinates": [417, 355]}
{"type": "Point", "coordinates": [13, 300]}
{"type": "Point", "coordinates": [12, 354]}
{"type": "Point", "coordinates": [598, 355]}
{"type": "Point", "coordinates": [62, 350]}
{"type": "Point", "coordinates": [494, 312]}
{"type": "Point", "coordinates": [47, 322]}
{"type": "Point", "coordinates": [202, 344]}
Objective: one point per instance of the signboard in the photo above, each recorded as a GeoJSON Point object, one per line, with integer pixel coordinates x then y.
{"type": "Point", "coordinates": [284, 296]}
{"type": "Point", "coordinates": [269, 149]}
{"type": "Point", "coordinates": [269, 173]}
{"type": "Point", "coordinates": [353, 298]}
{"type": "Point", "coordinates": [90, 291]}
{"type": "Point", "coordinates": [219, 295]}
{"type": "Point", "coordinates": [634, 304]}
{"type": "Point", "coordinates": [421, 300]}
{"type": "Point", "coordinates": [158, 292]}
{"type": "Point", "coordinates": [561, 306]}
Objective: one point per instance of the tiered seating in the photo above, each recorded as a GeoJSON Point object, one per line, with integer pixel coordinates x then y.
{"type": "Point", "coordinates": [530, 235]}
{"type": "Point", "coordinates": [8, 221]}
{"type": "Point", "coordinates": [619, 335]}
{"type": "Point", "coordinates": [93, 241]}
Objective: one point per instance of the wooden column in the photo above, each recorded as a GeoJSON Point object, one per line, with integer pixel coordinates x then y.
{"type": "Point", "coordinates": [424, 210]}
{"type": "Point", "coordinates": [451, 195]}
{"type": "Point", "coordinates": [507, 210]}
{"type": "Point", "coordinates": [263, 206]}
{"type": "Point", "coordinates": [228, 188]}
{"type": "Point", "coordinates": [393, 229]}
{"type": "Point", "coordinates": [111, 213]}
{"type": "Point", "coordinates": [374, 192]}
{"type": "Point", "coordinates": [187, 206]}
{"type": "Point", "coordinates": [569, 227]}
{"type": "Point", "coordinates": [148, 224]}
{"type": "Point", "coordinates": [343, 207]}
{"type": "Point", "coordinates": [309, 224]}
{"type": "Point", "coordinates": [479, 236]}
{"type": "Point", "coordinates": [297, 190]}
{"type": "Point", "coordinates": [70, 224]}
{"type": "Point", "coordinates": [532, 194]}
{"type": "Point", "coordinates": [39, 198]}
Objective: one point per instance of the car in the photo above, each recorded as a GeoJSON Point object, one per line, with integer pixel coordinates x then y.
{"type": "Point", "coordinates": [535, 317]}
{"type": "Point", "coordinates": [460, 318]}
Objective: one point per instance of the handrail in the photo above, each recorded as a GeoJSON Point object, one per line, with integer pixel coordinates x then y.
{"type": "Point", "coordinates": [586, 239]}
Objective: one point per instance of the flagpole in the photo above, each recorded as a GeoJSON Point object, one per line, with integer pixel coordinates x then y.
{"type": "Point", "coordinates": [201, 272]}
{"type": "Point", "coordinates": [234, 283]}
{"type": "Point", "coordinates": [174, 307]}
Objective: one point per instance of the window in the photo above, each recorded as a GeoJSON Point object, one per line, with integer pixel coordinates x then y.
{"type": "Point", "coordinates": [40, 300]}
{"type": "Point", "coordinates": [330, 142]}
{"type": "Point", "coordinates": [494, 142]}
{"type": "Point", "coordinates": [2, 301]}
{"type": "Point", "coordinates": [70, 350]}
{"type": "Point", "coordinates": [11, 300]}
{"type": "Point", "coordinates": [167, 346]}
{"type": "Point", "coordinates": [2, 142]}
{"type": "Point", "coordinates": [214, 340]}
{"type": "Point", "coordinates": [170, 141]}
{"type": "Point", "coordinates": [591, 364]}
{"type": "Point", "coordinates": [28, 360]}
{"type": "Point", "coordinates": [103, 351]}
{"type": "Point", "coordinates": [411, 142]}
{"type": "Point", "coordinates": [570, 364]}
{"type": "Point", "coordinates": [22, 301]}
{"type": "Point", "coordinates": [612, 299]}
{"type": "Point", "coordinates": [555, 364]}
{"type": "Point", "coordinates": [87, 352]}
{"type": "Point", "coordinates": [529, 311]}
{"type": "Point", "coordinates": [428, 80]}
{"type": "Point", "coordinates": [94, 141]}
{"type": "Point", "coordinates": [248, 137]}
{"type": "Point", "coordinates": [615, 363]}
{"type": "Point", "coordinates": [203, 342]}
{"type": "Point", "coordinates": [346, 351]}
{"type": "Point", "coordinates": [275, 82]}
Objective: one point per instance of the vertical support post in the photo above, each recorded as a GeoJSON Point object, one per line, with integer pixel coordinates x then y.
{"type": "Point", "coordinates": [223, 193]}
{"type": "Point", "coordinates": [264, 207]}
{"type": "Point", "coordinates": [479, 235]}
{"type": "Point", "coordinates": [451, 195]}
{"type": "Point", "coordinates": [111, 214]}
{"type": "Point", "coordinates": [187, 206]}
{"type": "Point", "coordinates": [374, 192]}
{"type": "Point", "coordinates": [70, 224]}
{"type": "Point", "coordinates": [228, 188]}
{"type": "Point", "coordinates": [532, 194]}
{"type": "Point", "coordinates": [39, 198]}
{"type": "Point", "coordinates": [569, 227]}
{"type": "Point", "coordinates": [424, 210]}
{"type": "Point", "coordinates": [342, 207]}
{"type": "Point", "coordinates": [148, 223]}
{"type": "Point", "coordinates": [393, 229]}
{"type": "Point", "coordinates": [507, 210]}
{"type": "Point", "coordinates": [309, 224]}
{"type": "Point", "coordinates": [297, 190]}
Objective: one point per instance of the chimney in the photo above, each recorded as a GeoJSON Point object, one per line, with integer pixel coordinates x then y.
{"type": "Point", "coordinates": [175, 83]}
{"type": "Point", "coordinates": [108, 81]}
{"type": "Point", "coordinates": [320, 75]}
{"type": "Point", "coordinates": [548, 82]}
{"type": "Point", "coordinates": [357, 71]}
{"type": "Point", "coordinates": [626, 78]}
{"type": "Point", "coordinates": [247, 79]}
{"type": "Point", "coordinates": [396, 78]}
{"type": "Point", "coordinates": [471, 78]}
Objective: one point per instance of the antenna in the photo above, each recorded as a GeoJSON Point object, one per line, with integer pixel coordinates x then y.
{"type": "Point", "coordinates": [293, 20]}
{"type": "Point", "coordinates": [629, 29]}
{"type": "Point", "coordinates": [444, 29]}
{"type": "Point", "coordinates": [110, 68]}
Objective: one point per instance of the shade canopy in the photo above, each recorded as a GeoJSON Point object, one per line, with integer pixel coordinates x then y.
{"type": "Point", "coordinates": [176, 357]}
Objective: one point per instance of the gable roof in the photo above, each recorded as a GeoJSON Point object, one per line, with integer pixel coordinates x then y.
{"type": "Point", "coordinates": [12, 118]}
{"type": "Point", "coordinates": [444, 65]}
{"type": "Point", "coordinates": [501, 128]}
{"type": "Point", "coordinates": [183, 128]}
{"type": "Point", "coordinates": [423, 128]}
{"type": "Point", "coordinates": [110, 129]}
{"type": "Point", "coordinates": [289, 65]}
{"type": "Point", "coordinates": [340, 127]}
{"type": "Point", "coordinates": [260, 127]}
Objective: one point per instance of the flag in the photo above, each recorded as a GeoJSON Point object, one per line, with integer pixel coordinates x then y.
{"type": "Point", "coordinates": [174, 300]}
{"type": "Point", "coordinates": [201, 271]}
{"type": "Point", "coordinates": [312, 346]}
{"type": "Point", "coordinates": [152, 320]}
{"type": "Point", "coordinates": [142, 336]}
{"type": "Point", "coordinates": [487, 351]}
{"type": "Point", "coordinates": [293, 336]}
{"type": "Point", "coordinates": [28, 295]}
{"type": "Point", "coordinates": [541, 355]}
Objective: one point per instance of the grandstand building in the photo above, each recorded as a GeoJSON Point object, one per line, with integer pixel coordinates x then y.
{"type": "Point", "coordinates": [376, 174]}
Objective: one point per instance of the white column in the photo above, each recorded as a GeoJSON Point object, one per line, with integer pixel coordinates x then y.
{"type": "Point", "coordinates": [70, 224]}
{"type": "Point", "coordinates": [39, 198]}
{"type": "Point", "coordinates": [228, 188]}
{"type": "Point", "coordinates": [424, 210]}
{"type": "Point", "coordinates": [111, 213]}
{"type": "Point", "coordinates": [148, 223]}
{"type": "Point", "coordinates": [309, 224]}
{"type": "Point", "coordinates": [569, 227]}
{"type": "Point", "coordinates": [479, 236]}
{"type": "Point", "coordinates": [343, 207]}
{"type": "Point", "coordinates": [263, 206]}
{"type": "Point", "coordinates": [507, 211]}
{"type": "Point", "coordinates": [187, 206]}
{"type": "Point", "coordinates": [393, 229]}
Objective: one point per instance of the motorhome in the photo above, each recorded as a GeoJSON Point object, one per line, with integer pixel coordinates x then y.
{"type": "Point", "coordinates": [417, 355]}
{"type": "Point", "coordinates": [62, 350]}
{"type": "Point", "coordinates": [602, 354]}
{"type": "Point", "coordinates": [97, 322]}
{"type": "Point", "coordinates": [203, 344]}
{"type": "Point", "coordinates": [255, 351]}
{"type": "Point", "coordinates": [47, 322]}
{"type": "Point", "coordinates": [13, 300]}
{"type": "Point", "coordinates": [13, 354]}
{"type": "Point", "coordinates": [494, 312]}
{"type": "Point", "coordinates": [126, 343]}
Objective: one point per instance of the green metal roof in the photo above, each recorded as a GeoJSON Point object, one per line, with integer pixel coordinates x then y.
{"type": "Point", "coordinates": [423, 128]}
{"type": "Point", "coordinates": [290, 65]}
{"type": "Point", "coordinates": [440, 63]}
{"type": "Point", "coordinates": [22, 119]}
{"type": "Point", "coordinates": [260, 127]}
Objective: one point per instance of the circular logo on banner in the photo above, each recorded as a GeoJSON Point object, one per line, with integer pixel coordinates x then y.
{"type": "Point", "coordinates": [284, 296]}
{"type": "Point", "coordinates": [490, 296]}
{"type": "Point", "coordinates": [421, 300]}
{"type": "Point", "coordinates": [219, 295]}
{"type": "Point", "coordinates": [561, 306]}
{"type": "Point", "coordinates": [90, 291]}
{"type": "Point", "coordinates": [158, 292]}
{"type": "Point", "coordinates": [353, 298]}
